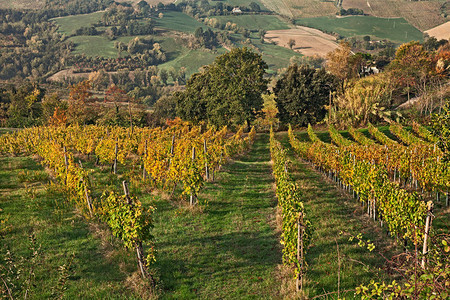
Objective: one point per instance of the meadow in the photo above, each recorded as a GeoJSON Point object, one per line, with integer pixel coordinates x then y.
{"type": "Point", "coordinates": [68, 25]}
{"type": "Point", "coordinates": [178, 21]}
{"type": "Point", "coordinates": [397, 29]}
{"type": "Point", "coordinates": [255, 22]}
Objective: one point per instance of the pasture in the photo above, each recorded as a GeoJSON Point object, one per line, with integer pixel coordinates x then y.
{"type": "Point", "coordinates": [421, 14]}
{"type": "Point", "coordinates": [302, 8]}
{"type": "Point", "coordinates": [397, 30]}
{"type": "Point", "coordinates": [97, 45]}
{"type": "Point", "coordinates": [68, 25]}
{"type": "Point", "coordinates": [255, 22]}
{"type": "Point", "coordinates": [178, 21]}
{"type": "Point", "coordinates": [192, 60]}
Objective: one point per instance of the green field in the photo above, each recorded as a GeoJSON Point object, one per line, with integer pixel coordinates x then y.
{"type": "Point", "coordinates": [178, 21]}
{"type": "Point", "coordinates": [244, 3]}
{"type": "Point", "coordinates": [192, 60]}
{"type": "Point", "coordinates": [97, 45]}
{"type": "Point", "coordinates": [255, 22]}
{"type": "Point", "coordinates": [396, 30]}
{"type": "Point", "coordinates": [68, 25]}
{"type": "Point", "coordinates": [29, 206]}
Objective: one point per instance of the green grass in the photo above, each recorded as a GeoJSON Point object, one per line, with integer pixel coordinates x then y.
{"type": "Point", "coordinates": [192, 60]}
{"type": "Point", "coordinates": [255, 22]}
{"type": "Point", "coordinates": [330, 212]}
{"type": "Point", "coordinates": [275, 56]}
{"type": "Point", "coordinates": [231, 249]}
{"type": "Point", "coordinates": [97, 45]}
{"type": "Point", "coordinates": [68, 25]}
{"type": "Point", "coordinates": [243, 3]}
{"type": "Point", "coordinates": [228, 249]}
{"type": "Point", "coordinates": [178, 21]}
{"type": "Point", "coordinates": [397, 30]}
{"type": "Point", "coordinates": [63, 238]}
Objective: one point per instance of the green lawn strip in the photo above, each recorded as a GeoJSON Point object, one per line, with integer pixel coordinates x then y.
{"type": "Point", "coordinates": [230, 249]}
{"type": "Point", "coordinates": [64, 237]}
{"type": "Point", "coordinates": [68, 24]}
{"type": "Point", "coordinates": [396, 29]}
{"type": "Point", "coordinates": [255, 22]}
{"type": "Point", "coordinates": [331, 211]}
{"type": "Point", "coordinates": [192, 60]}
{"type": "Point", "coordinates": [178, 21]}
{"type": "Point", "coordinates": [238, 3]}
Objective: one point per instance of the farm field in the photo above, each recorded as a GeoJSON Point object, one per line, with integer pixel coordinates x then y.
{"type": "Point", "coordinates": [440, 32]}
{"type": "Point", "coordinates": [275, 56]}
{"type": "Point", "coordinates": [255, 22]}
{"type": "Point", "coordinates": [244, 2]}
{"type": "Point", "coordinates": [68, 25]}
{"type": "Point", "coordinates": [192, 60]}
{"type": "Point", "coordinates": [308, 41]}
{"type": "Point", "coordinates": [301, 8]}
{"type": "Point", "coordinates": [397, 30]}
{"type": "Point", "coordinates": [178, 21]}
{"type": "Point", "coordinates": [22, 4]}
{"type": "Point", "coordinates": [97, 45]}
{"type": "Point", "coordinates": [421, 14]}
{"type": "Point", "coordinates": [226, 248]}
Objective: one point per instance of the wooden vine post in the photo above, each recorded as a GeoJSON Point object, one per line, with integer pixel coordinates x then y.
{"type": "Point", "coordinates": [66, 163]}
{"type": "Point", "coordinates": [427, 232]}
{"type": "Point", "coordinates": [171, 151]}
{"type": "Point", "coordinates": [116, 150]}
{"type": "Point", "coordinates": [144, 172]}
{"type": "Point", "coordinates": [192, 197]}
{"type": "Point", "coordinates": [139, 248]}
{"type": "Point", "coordinates": [206, 160]}
{"type": "Point", "coordinates": [300, 233]}
{"type": "Point", "coordinates": [86, 193]}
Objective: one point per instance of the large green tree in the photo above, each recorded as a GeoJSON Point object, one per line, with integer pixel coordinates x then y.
{"type": "Point", "coordinates": [302, 93]}
{"type": "Point", "coordinates": [226, 92]}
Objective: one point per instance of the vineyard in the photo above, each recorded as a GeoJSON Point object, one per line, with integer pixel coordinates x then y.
{"type": "Point", "coordinates": [182, 207]}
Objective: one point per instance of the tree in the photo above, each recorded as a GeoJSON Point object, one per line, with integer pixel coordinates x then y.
{"type": "Point", "coordinates": [365, 100]}
{"type": "Point", "coordinates": [291, 43]}
{"type": "Point", "coordinates": [338, 63]}
{"type": "Point", "coordinates": [226, 92]}
{"type": "Point", "coordinates": [254, 6]}
{"type": "Point", "coordinates": [164, 75]}
{"type": "Point", "coordinates": [302, 93]}
{"type": "Point", "coordinates": [441, 129]}
{"type": "Point", "coordinates": [79, 111]}
{"type": "Point", "coordinates": [54, 110]}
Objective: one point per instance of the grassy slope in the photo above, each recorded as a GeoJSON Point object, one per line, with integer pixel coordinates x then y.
{"type": "Point", "coordinates": [255, 22]}
{"type": "Point", "coordinates": [68, 25]}
{"type": "Point", "coordinates": [192, 60]}
{"type": "Point", "coordinates": [397, 30]}
{"type": "Point", "coordinates": [178, 21]}
{"type": "Point", "coordinates": [243, 2]}
{"type": "Point", "coordinates": [230, 250]}
{"type": "Point", "coordinates": [61, 234]}
{"type": "Point", "coordinates": [330, 212]}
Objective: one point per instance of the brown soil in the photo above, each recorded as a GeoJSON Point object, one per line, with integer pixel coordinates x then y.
{"type": "Point", "coordinates": [308, 41]}
{"type": "Point", "coordinates": [440, 32]}
{"type": "Point", "coordinates": [421, 14]}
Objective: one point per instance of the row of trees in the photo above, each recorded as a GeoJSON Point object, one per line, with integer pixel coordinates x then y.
{"type": "Point", "coordinates": [229, 90]}
{"type": "Point", "coordinates": [29, 105]}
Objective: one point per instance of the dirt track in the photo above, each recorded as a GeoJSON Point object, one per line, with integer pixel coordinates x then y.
{"type": "Point", "coordinates": [308, 41]}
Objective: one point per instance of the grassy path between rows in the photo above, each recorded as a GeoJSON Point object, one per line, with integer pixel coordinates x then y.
{"type": "Point", "coordinates": [332, 211]}
{"type": "Point", "coordinates": [231, 249]}
{"type": "Point", "coordinates": [70, 258]}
